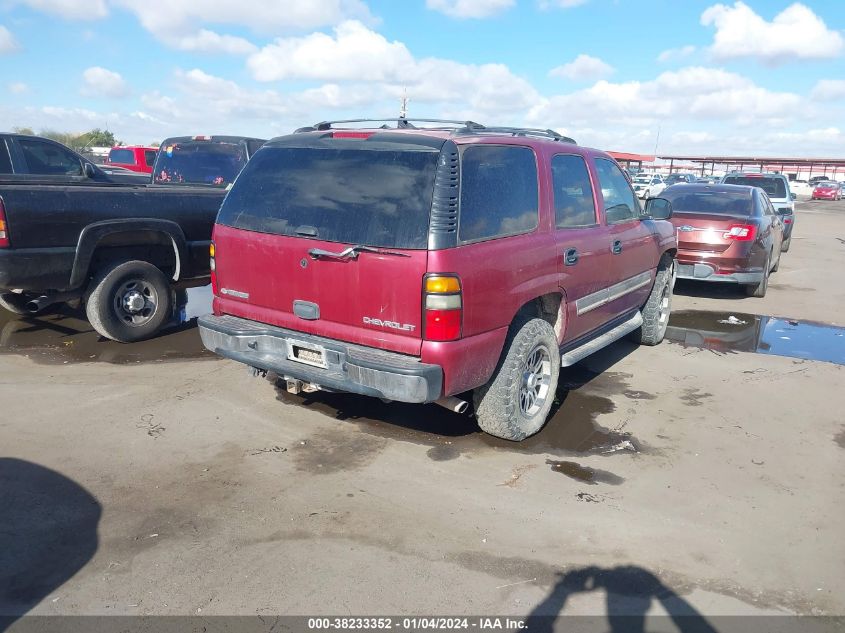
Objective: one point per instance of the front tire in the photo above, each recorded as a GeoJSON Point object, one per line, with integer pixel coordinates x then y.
{"type": "Point", "coordinates": [658, 307]}
{"type": "Point", "coordinates": [129, 302]}
{"type": "Point", "coordinates": [516, 401]}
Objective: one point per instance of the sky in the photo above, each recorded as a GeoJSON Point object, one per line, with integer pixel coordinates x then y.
{"type": "Point", "coordinates": [759, 77]}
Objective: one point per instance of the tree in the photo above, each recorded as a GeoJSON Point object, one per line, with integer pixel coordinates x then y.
{"type": "Point", "coordinates": [23, 130]}
{"type": "Point", "coordinates": [97, 138]}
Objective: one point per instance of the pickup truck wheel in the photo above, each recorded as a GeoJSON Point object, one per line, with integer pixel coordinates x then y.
{"type": "Point", "coordinates": [13, 303]}
{"type": "Point", "coordinates": [786, 244]}
{"type": "Point", "coordinates": [129, 302]}
{"type": "Point", "coordinates": [658, 307]}
{"type": "Point", "coordinates": [516, 401]}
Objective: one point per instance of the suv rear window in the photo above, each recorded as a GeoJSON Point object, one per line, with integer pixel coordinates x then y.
{"type": "Point", "coordinates": [150, 157]}
{"type": "Point", "coordinates": [122, 156]}
{"type": "Point", "coordinates": [498, 192]}
{"type": "Point", "coordinates": [199, 162]}
{"type": "Point", "coordinates": [717, 202]}
{"type": "Point", "coordinates": [775, 187]}
{"type": "Point", "coordinates": [355, 196]}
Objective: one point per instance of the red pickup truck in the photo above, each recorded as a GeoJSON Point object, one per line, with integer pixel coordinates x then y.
{"type": "Point", "coordinates": [133, 157]}
{"type": "Point", "coordinates": [420, 264]}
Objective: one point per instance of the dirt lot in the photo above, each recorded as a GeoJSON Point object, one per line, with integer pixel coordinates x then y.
{"type": "Point", "coordinates": [156, 479]}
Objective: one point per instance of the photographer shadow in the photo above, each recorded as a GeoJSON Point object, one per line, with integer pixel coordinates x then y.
{"type": "Point", "coordinates": [630, 592]}
{"type": "Point", "coordinates": [48, 532]}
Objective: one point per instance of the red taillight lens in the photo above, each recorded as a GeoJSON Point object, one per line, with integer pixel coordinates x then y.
{"type": "Point", "coordinates": [212, 251]}
{"type": "Point", "coordinates": [787, 221]}
{"type": "Point", "coordinates": [4, 227]}
{"type": "Point", "coordinates": [442, 308]}
{"type": "Point", "coordinates": [741, 232]}
{"type": "Point", "coordinates": [361, 135]}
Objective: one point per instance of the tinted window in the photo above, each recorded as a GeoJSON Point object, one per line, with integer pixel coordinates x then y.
{"type": "Point", "coordinates": [355, 196]}
{"type": "Point", "coordinates": [122, 156]}
{"type": "Point", "coordinates": [498, 192]}
{"type": "Point", "coordinates": [45, 158]}
{"type": "Point", "coordinates": [620, 203]}
{"type": "Point", "coordinates": [716, 202]}
{"type": "Point", "coordinates": [150, 157]}
{"type": "Point", "coordinates": [775, 187]}
{"type": "Point", "coordinates": [573, 192]}
{"type": "Point", "coordinates": [254, 146]}
{"type": "Point", "coordinates": [5, 161]}
{"type": "Point", "coordinates": [198, 162]}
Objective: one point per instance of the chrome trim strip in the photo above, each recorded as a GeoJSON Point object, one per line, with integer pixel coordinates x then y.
{"type": "Point", "coordinates": [612, 293]}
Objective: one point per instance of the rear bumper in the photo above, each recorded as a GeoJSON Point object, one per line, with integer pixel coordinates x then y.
{"type": "Point", "coordinates": [708, 272]}
{"type": "Point", "coordinates": [352, 368]}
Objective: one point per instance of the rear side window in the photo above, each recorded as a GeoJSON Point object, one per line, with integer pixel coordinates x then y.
{"type": "Point", "coordinates": [253, 146]}
{"type": "Point", "coordinates": [122, 156]}
{"type": "Point", "coordinates": [620, 203]}
{"type": "Point", "coordinates": [354, 196]}
{"type": "Point", "coordinates": [150, 157]}
{"type": "Point", "coordinates": [48, 159]}
{"type": "Point", "coordinates": [774, 187]}
{"type": "Point", "coordinates": [498, 192]}
{"type": "Point", "coordinates": [5, 160]}
{"type": "Point", "coordinates": [573, 192]}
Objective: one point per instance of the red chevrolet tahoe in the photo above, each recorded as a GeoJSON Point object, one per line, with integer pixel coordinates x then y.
{"type": "Point", "coordinates": [421, 264]}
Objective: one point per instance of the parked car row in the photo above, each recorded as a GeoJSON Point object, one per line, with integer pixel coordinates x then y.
{"type": "Point", "coordinates": [70, 230]}
{"type": "Point", "coordinates": [453, 264]}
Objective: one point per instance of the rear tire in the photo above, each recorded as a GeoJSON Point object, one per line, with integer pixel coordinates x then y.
{"type": "Point", "coordinates": [786, 244]}
{"type": "Point", "coordinates": [658, 307]}
{"type": "Point", "coordinates": [759, 290]}
{"type": "Point", "coordinates": [516, 401]}
{"type": "Point", "coordinates": [129, 301]}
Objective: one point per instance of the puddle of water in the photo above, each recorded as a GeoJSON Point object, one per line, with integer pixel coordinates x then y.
{"type": "Point", "coordinates": [585, 474]}
{"type": "Point", "coordinates": [728, 332]}
{"type": "Point", "coordinates": [64, 336]}
{"type": "Point", "coordinates": [572, 429]}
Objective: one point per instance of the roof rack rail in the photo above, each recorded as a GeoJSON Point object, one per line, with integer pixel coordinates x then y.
{"type": "Point", "coordinates": [520, 131]}
{"type": "Point", "coordinates": [401, 123]}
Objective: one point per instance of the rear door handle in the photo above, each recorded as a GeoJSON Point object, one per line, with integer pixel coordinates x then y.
{"type": "Point", "coordinates": [617, 247]}
{"type": "Point", "coordinates": [570, 257]}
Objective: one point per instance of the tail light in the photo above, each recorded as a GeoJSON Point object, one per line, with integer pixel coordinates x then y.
{"type": "Point", "coordinates": [213, 266]}
{"type": "Point", "coordinates": [4, 227]}
{"type": "Point", "coordinates": [442, 308]}
{"type": "Point", "coordinates": [359, 135]}
{"type": "Point", "coordinates": [741, 232]}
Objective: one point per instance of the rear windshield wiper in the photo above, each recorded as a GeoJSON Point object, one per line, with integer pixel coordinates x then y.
{"type": "Point", "coordinates": [352, 252]}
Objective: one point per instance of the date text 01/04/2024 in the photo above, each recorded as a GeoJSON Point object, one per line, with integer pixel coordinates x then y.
{"type": "Point", "coordinates": [417, 623]}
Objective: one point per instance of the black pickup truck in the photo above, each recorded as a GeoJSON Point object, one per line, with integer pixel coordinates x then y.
{"type": "Point", "coordinates": [69, 230]}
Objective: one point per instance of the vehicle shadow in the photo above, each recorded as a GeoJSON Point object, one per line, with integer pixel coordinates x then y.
{"type": "Point", "coordinates": [48, 532]}
{"type": "Point", "coordinates": [630, 593]}
{"type": "Point", "coordinates": [709, 290]}
{"type": "Point", "coordinates": [434, 420]}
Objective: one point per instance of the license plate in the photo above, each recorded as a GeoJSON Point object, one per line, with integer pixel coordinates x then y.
{"type": "Point", "coordinates": [307, 354]}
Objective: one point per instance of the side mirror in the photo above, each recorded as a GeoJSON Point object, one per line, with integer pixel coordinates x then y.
{"type": "Point", "coordinates": [794, 196]}
{"type": "Point", "coordinates": [88, 170]}
{"type": "Point", "coordinates": [658, 209]}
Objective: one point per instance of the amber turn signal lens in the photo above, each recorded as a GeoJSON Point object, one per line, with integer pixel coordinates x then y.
{"type": "Point", "coordinates": [211, 249]}
{"type": "Point", "coordinates": [440, 285]}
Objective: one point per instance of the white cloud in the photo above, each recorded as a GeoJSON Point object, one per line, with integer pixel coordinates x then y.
{"type": "Point", "coordinates": [71, 9]}
{"type": "Point", "coordinates": [470, 8]}
{"type": "Point", "coordinates": [353, 53]}
{"type": "Point", "coordinates": [17, 88]}
{"type": "Point", "coordinates": [180, 23]}
{"type": "Point", "coordinates": [8, 43]}
{"type": "Point", "coordinates": [676, 53]}
{"type": "Point", "coordinates": [828, 90]}
{"type": "Point", "coordinates": [583, 67]}
{"type": "Point", "coordinates": [795, 33]}
{"type": "Point", "coordinates": [99, 82]}
{"type": "Point", "coordinates": [561, 4]}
